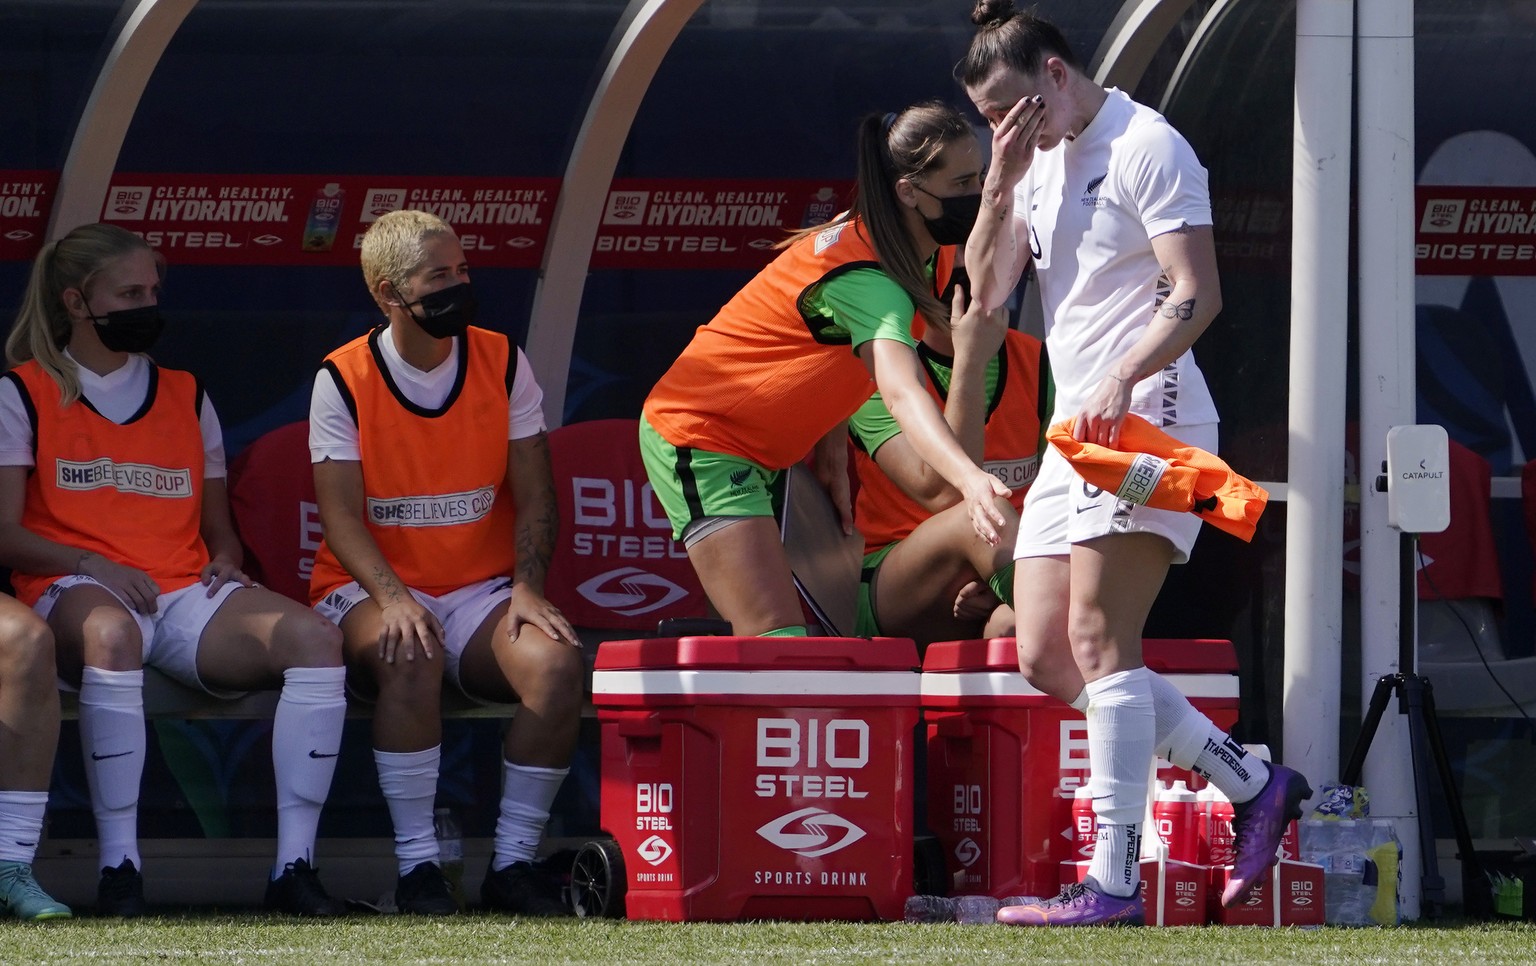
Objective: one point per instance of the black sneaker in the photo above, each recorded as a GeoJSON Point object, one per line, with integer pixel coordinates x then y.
{"type": "Point", "coordinates": [120, 892]}
{"type": "Point", "coordinates": [522, 890]}
{"type": "Point", "coordinates": [424, 891]}
{"type": "Point", "coordinates": [298, 892]}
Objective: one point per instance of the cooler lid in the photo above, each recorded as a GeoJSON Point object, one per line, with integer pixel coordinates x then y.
{"type": "Point", "coordinates": [979, 654]}
{"type": "Point", "coordinates": [760, 653]}
{"type": "Point", "coordinates": [1189, 655]}
{"type": "Point", "coordinates": [1163, 655]}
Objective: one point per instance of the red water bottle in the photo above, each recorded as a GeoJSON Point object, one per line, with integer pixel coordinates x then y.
{"type": "Point", "coordinates": [1085, 827]}
{"type": "Point", "coordinates": [1217, 839]}
{"type": "Point", "coordinates": [1173, 814]}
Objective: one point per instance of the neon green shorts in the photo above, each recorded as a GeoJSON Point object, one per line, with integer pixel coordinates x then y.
{"type": "Point", "coordinates": [865, 625]}
{"type": "Point", "coordinates": [695, 484]}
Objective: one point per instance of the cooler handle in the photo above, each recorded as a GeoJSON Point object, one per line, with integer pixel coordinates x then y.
{"type": "Point", "coordinates": [953, 726]}
{"type": "Point", "coordinates": [649, 727]}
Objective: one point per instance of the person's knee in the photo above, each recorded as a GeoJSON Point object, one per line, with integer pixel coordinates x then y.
{"type": "Point", "coordinates": [553, 680]}
{"type": "Point", "coordinates": [1001, 623]}
{"type": "Point", "coordinates": [416, 681]}
{"type": "Point", "coordinates": [1088, 634]}
{"type": "Point", "coordinates": [305, 639]}
{"type": "Point", "coordinates": [26, 653]}
{"type": "Point", "coordinates": [112, 640]}
{"type": "Point", "coordinates": [1048, 667]}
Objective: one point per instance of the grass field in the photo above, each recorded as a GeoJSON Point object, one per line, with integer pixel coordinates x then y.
{"type": "Point", "coordinates": [477, 939]}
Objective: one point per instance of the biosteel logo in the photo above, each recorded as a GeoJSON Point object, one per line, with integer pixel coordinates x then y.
{"type": "Point", "coordinates": [811, 832]}
{"type": "Point", "coordinates": [654, 850]}
{"type": "Point", "coordinates": [631, 591]}
{"type": "Point", "coordinates": [967, 852]}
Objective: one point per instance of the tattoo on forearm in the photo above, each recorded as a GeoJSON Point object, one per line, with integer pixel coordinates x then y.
{"type": "Point", "coordinates": [387, 585]}
{"type": "Point", "coordinates": [536, 535]}
{"type": "Point", "coordinates": [1183, 311]}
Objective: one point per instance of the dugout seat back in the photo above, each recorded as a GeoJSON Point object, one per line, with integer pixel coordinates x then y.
{"type": "Point", "coordinates": [616, 566]}
{"type": "Point", "coordinates": [272, 499]}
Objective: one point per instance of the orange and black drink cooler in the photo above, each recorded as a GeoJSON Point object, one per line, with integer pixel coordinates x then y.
{"type": "Point", "coordinates": [752, 778]}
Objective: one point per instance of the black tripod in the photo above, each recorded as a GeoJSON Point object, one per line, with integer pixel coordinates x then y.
{"type": "Point", "coordinates": [1416, 699]}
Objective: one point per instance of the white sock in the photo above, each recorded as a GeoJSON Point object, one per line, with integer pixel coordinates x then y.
{"type": "Point", "coordinates": [1231, 768]}
{"type": "Point", "coordinates": [1120, 720]}
{"type": "Point", "coordinates": [408, 780]}
{"type": "Point", "coordinates": [306, 737]}
{"type": "Point", "coordinates": [112, 742]}
{"type": "Point", "coordinates": [1117, 854]}
{"type": "Point", "coordinates": [1080, 703]}
{"type": "Point", "coordinates": [527, 792]}
{"type": "Point", "coordinates": [21, 825]}
{"type": "Point", "coordinates": [1188, 739]}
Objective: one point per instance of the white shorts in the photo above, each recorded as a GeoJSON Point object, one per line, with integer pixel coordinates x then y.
{"type": "Point", "coordinates": [170, 634]}
{"type": "Point", "coordinates": [1062, 508]}
{"type": "Point", "coordinates": [461, 612]}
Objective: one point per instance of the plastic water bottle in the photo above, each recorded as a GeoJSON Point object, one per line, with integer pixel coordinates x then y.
{"type": "Point", "coordinates": [1084, 824]}
{"type": "Point", "coordinates": [1218, 841]}
{"type": "Point", "coordinates": [1344, 895]}
{"type": "Point", "coordinates": [976, 910]}
{"type": "Point", "coordinates": [450, 850]}
{"type": "Point", "coordinates": [1384, 851]}
{"type": "Point", "coordinates": [1317, 838]}
{"type": "Point", "coordinates": [324, 219]}
{"type": "Point", "coordinates": [1173, 815]}
{"type": "Point", "coordinates": [929, 909]}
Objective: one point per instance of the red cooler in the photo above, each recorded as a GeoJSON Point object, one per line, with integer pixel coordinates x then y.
{"type": "Point", "coordinates": [1004, 759]}
{"type": "Point", "coordinates": [752, 778]}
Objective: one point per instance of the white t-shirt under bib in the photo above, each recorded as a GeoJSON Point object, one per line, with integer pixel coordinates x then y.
{"type": "Point", "coordinates": [333, 433]}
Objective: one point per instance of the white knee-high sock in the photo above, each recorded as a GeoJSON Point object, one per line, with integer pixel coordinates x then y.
{"type": "Point", "coordinates": [1189, 739]}
{"type": "Point", "coordinates": [21, 825]}
{"type": "Point", "coordinates": [527, 792]}
{"type": "Point", "coordinates": [1120, 719]}
{"type": "Point", "coordinates": [112, 741]}
{"type": "Point", "coordinates": [408, 780]}
{"type": "Point", "coordinates": [306, 737]}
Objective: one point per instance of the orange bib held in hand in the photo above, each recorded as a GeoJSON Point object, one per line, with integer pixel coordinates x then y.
{"type": "Point", "coordinates": [1154, 469]}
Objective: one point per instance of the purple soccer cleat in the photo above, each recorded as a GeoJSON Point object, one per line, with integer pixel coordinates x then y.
{"type": "Point", "coordinates": [1079, 904]}
{"type": "Point", "coordinates": [1257, 828]}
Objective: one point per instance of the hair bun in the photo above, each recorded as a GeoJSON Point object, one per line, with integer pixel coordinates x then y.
{"type": "Point", "coordinates": [992, 13]}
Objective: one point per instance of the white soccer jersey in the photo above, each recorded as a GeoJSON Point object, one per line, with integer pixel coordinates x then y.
{"type": "Point", "coordinates": [1093, 204]}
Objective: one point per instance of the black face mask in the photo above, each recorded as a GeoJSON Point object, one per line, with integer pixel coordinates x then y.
{"type": "Point", "coordinates": [957, 218]}
{"type": "Point", "coordinates": [446, 312]}
{"type": "Point", "coordinates": [129, 330]}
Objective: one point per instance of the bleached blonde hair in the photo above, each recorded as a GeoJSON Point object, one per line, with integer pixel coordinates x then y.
{"type": "Point", "coordinates": [395, 246]}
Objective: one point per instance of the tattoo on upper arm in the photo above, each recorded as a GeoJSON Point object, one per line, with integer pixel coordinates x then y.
{"type": "Point", "coordinates": [1184, 229]}
{"type": "Point", "coordinates": [1183, 311]}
